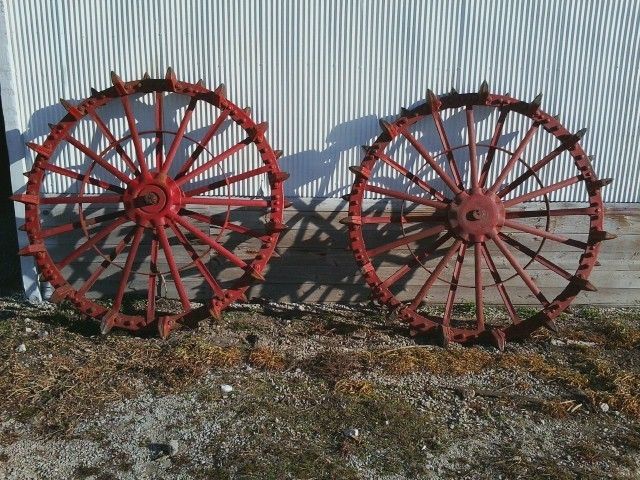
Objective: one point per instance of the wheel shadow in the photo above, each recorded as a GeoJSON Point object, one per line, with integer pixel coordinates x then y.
{"type": "Point", "coordinates": [316, 249]}
{"type": "Point", "coordinates": [313, 262]}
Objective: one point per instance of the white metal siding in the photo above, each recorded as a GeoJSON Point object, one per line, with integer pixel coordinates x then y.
{"type": "Point", "coordinates": [323, 72]}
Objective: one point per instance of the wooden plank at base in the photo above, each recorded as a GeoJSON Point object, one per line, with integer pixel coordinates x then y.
{"type": "Point", "coordinates": [314, 264]}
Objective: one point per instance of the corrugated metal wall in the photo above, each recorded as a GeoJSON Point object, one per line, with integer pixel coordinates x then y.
{"type": "Point", "coordinates": [323, 72]}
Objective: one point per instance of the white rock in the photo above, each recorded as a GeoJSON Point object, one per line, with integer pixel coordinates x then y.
{"type": "Point", "coordinates": [173, 447]}
{"type": "Point", "coordinates": [558, 343]}
{"type": "Point", "coordinates": [21, 348]}
{"type": "Point", "coordinates": [604, 407]}
{"type": "Point", "coordinates": [351, 433]}
{"type": "Point", "coordinates": [226, 388]}
{"type": "Point", "coordinates": [43, 334]}
{"type": "Point", "coordinates": [28, 329]}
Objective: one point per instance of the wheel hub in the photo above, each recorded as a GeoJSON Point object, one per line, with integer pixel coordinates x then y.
{"type": "Point", "coordinates": [151, 199]}
{"type": "Point", "coordinates": [475, 215]}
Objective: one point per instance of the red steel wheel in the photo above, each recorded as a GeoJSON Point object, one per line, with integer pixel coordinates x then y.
{"type": "Point", "coordinates": [421, 204]}
{"type": "Point", "coordinates": [153, 201]}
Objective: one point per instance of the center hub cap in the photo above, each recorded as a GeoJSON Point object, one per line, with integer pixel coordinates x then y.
{"type": "Point", "coordinates": [151, 199]}
{"type": "Point", "coordinates": [474, 216]}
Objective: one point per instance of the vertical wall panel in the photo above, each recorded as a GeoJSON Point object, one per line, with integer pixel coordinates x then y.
{"type": "Point", "coordinates": [323, 72]}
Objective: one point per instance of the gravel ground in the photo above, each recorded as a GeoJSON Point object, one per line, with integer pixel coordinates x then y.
{"type": "Point", "coordinates": [294, 391]}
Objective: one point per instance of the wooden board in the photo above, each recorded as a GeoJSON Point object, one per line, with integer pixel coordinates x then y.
{"type": "Point", "coordinates": [313, 262]}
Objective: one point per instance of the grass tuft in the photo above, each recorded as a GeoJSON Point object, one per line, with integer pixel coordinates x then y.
{"type": "Point", "coordinates": [436, 361]}
{"type": "Point", "coordinates": [267, 358]}
{"type": "Point", "coordinates": [358, 387]}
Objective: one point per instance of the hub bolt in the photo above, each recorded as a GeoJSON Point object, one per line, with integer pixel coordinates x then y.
{"type": "Point", "coordinates": [151, 198]}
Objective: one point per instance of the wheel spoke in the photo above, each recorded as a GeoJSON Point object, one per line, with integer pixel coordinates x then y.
{"type": "Point", "coordinates": [226, 201]}
{"type": "Point", "coordinates": [514, 157]}
{"type": "Point", "coordinates": [67, 199]}
{"type": "Point", "coordinates": [453, 286]}
{"type": "Point", "coordinates": [234, 259]}
{"type": "Point", "coordinates": [82, 178]}
{"type": "Point", "coordinates": [163, 188]}
{"type": "Point", "coordinates": [435, 274]}
{"type": "Point", "coordinates": [405, 196]}
{"type": "Point", "coordinates": [213, 161]}
{"type": "Point", "coordinates": [473, 154]}
{"type": "Point", "coordinates": [521, 271]}
{"type": "Point", "coordinates": [479, 287]}
{"type": "Point", "coordinates": [536, 256]}
{"type": "Point", "coordinates": [429, 232]}
{"type": "Point", "coordinates": [152, 282]}
{"type": "Point", "coordinates": [543, 191]}
{"type": "Point", "coordinates": [128, 266]}
{"type": "Point", "coordinates": [511, 310]}
{"type": "Point", "coordinates": [558, 212]}
{"type": "Point", "coordinates": [544, 234]}
{"type": "Point", "coordinates": [437, 119]}
{"type": "Point", "coordinates": [203, 143]}
{"type": "Point", "coordinates": [204, 271]}
{"type": "Point", "coordinates": [182, 128]}
{"type": "Point", "coordinates": [429, 159]}
{"type": "Point", "coordinates": [135, 136]}
{"type": "Point", "coordinates": [175, 273]}
{"type": "Point", "coordinates": [415, 261]}
{"type": "Point", "coordinates": [497, 133]}
{"type": "Point", "coordinates": [85, 222]}
{"type": "Point", "coordinates": [531, 170]}
{"type": "Point", "coordinates": [98, 159]}
{"type": "Point", "coordinates": [212, 220]}
{"type": "Point", "coordinates": [159, 129]}
{"type": "Point", "coordinates": [426, 186]}
{"type": "Point", "coordinates": [228, 181]}
{"type": "Point", "coordinates": [113, 141]}
{"type": "Point", "coordinates": [91, 242]}
{"type": "Point", "coordinates": [106, 262]}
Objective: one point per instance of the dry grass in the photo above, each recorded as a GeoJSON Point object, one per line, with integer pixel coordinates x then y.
{"type": "Point", "coordinates": [619, 388]}
{"type": "Point", "coordinates": [358, 387]}
{"type": "Point", "coordinates": [433, 360]}
{"type": "Point", "coordinates": [267, 358]}
{"type": "Point", "coordinates": [83, 374]}
{"type": "Point", "coordinates": [537, 365]}
{"type": "Point", "coordinates": [560, 408]}
{"type": "Point", "coordinates": [334, 365]}
{"type": "Point", "coordinates": [600, 380]}
{"type": "Point", "coordinates": [613, 331]}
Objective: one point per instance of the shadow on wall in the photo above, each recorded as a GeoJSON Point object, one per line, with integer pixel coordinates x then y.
{"type": "Point", "coordinates": [315, 250]}
{"type": "Point", "coordinates": [38, 128]}
{"type": "Point", "coordinates": [314, 262]}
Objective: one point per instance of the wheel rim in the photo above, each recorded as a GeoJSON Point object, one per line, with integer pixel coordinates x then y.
{"type": "Point", "coordinates": [449, 218]}
{"type": "Point", "coordinates": [155, 191]}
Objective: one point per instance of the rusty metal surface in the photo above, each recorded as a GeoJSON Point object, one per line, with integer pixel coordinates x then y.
{"type": "Point", "coordinates": [475, 191]}
{"type": "Point", "coordinates": [153, 198]}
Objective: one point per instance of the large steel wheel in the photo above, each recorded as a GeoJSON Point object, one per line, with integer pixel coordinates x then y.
{"type": "Point", "coordinates": [443, 223]}
{"type": "Point", "coordinates": [154, 202]}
